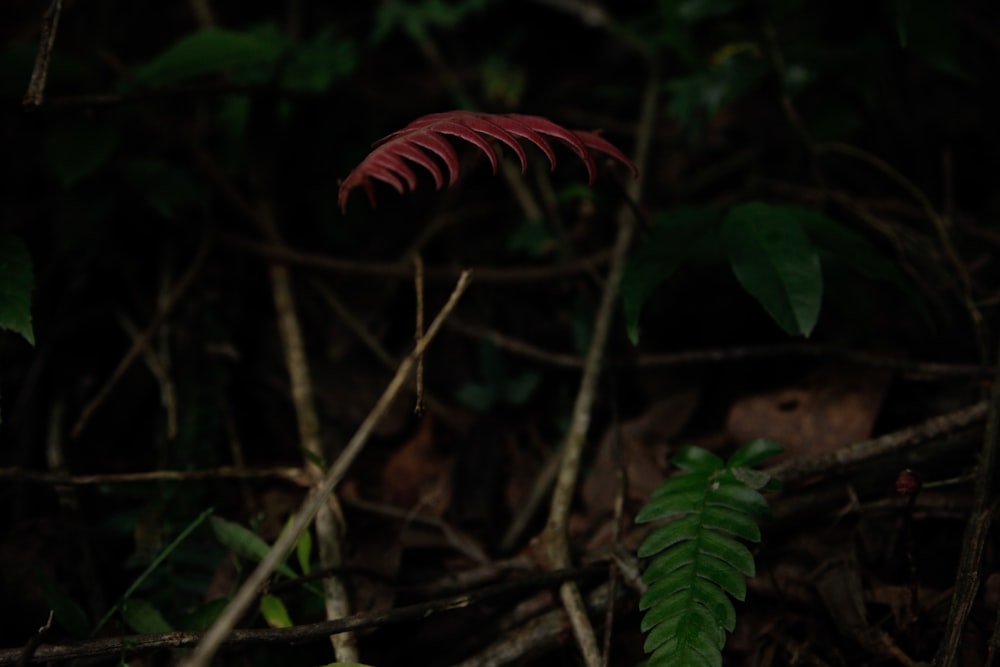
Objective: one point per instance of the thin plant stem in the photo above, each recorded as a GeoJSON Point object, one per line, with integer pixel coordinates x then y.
{"type": "Point", "coordinates": [247, 593]}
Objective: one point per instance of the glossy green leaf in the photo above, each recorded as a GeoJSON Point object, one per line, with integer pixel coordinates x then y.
{"type": "Point", "coordinates": [697, 459]}
{"type": "Point", "coordinates": [684, 483]}
{"type": "Point", "coordinates": [670, 505]}
{"type": "Point", "coordinates": [728, 550]}
{"type": "Point", "coordinates": [208, 52]}
{"type": "Point", "coordinates": [733, 493]}
{"type": "Point", "coordinates": [17, 282]}
{"type": "Point", "coordinates": [841, 246]}
{"type": "Point", "coordinates": [303, 549]}
{"type": "Point", "coordinates": [274, 612]}
{"type": "Point", "coordinates": [670, 534]}
{"type": "Point", "coordinates": [204, 615]}
{"type": "Point", "coordinates": [701, 592]}
{"type": "Point", "coordinates": [675, 653]}
{"type": "Point", "coordinates": [66, 611]}
{"type": "Point", "coordinates": [417, 17]}
{"type": "Point", "coordinates": [697, 561]}
{"type": "Point", "coordinates": [754, 453]}
{"type": "Point", "coordinates": [244, 542]}
{"type": "Point", "coordinates": [775, 261]}
{"type": "Point", "coordinates": [736, 523]}
{"type": "Point", "coordinates": [689, 627]}
{"type": "Point", "coordinates": [313, 66]}
{"type": "Point", "coordinates": [143, 617]}
{"type": "Point", "coordinates": [684, 553]}
{"type": "Point", "coordinates": [754, 479]}
{"type": "Point", "coordinates": [678, 235]}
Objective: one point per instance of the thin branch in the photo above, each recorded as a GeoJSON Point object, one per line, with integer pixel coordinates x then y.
{"type": "Point", "coordinates": [914, 370]}
{"type": "Point", "coordinates": [555, 538]}
{"type": "Point", "coordinates": [142, 341]}
{"type": "Point", "coordinates": [133, 644]}
{"type": "Point", "coordinates": [974, 541]}
{"type": "Point", "coordinates": [327, 529]}
{"type": "Point", "coordinates": [291, 474]}
{"type": "Point", "coordinates": [245, 596]}
{"type": "Point", "coordinates": [418, 286]}
{"type": "Point", "coordinates": [403, 270]}
{"type": "Point", "coordinates": [46, 41]}
{"type": "Point", "coordinates": [168, 392]}
{"type": "Point", "coordinates": [794, 470]}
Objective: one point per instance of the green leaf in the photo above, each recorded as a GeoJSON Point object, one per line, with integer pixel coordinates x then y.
{"type": "Point", "coordinates": [678, 235]}
{"type": "Point", "coordinates": [671, 504]}
{"type": "Point", "coordinates": [244, 542]}
{"type": "Point", "coordinates": [754, 453]}
{"type": "Point", "coordinates": [274, 612]}
{"type": "Point", "coordinates": [66, 611]}
{"type": "Point", "coordinates": [755, 479]}
{"type": "Point", "coordinates": [736, 495]}
{"type": "Point", "coordinates": [681, 554]}
{"type": "Point", "coordinates": [696, 459]}
{"type": "Point", "coordinates": [688, 626]}
{"type": "Point", "coordinates": [303, 549]}
{"type": "Point", "coordinates": [532, 238]}
{"type": "Point", "coordinates": [734, 522]}
{"type": "Point", "coordinates": [73, 150]}
{"type": "Point", "coordinates": [698, 563]}
{"type": "Point", "coordinates": [519, 389]}
{"type": "Point", "coordinates": [776, 262]}
{"type": "Point", "coordinates": [208, 52]}
{"type": "Point", "coordinates": [701, 592]}
{"type": "Point", "coordinates": [666, 536]}
{"type": "Point", "coordinates": [690, 481]}
{"type": "Point", "coordinates": [840, 244]}
{"type": "Point", "coordinates": [143, 617]}
{"type": "Point", "coordinates": [204, 615]}
{"type": "Point", "coordinates": [17, 281]}
{"type": "Point", "coordinates": [415, 18]}
{"type": "Point", "coordinates": [313, 66]}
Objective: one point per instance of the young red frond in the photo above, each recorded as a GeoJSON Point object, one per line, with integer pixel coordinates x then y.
{"type": "Point", "coordinates": [421, 143]}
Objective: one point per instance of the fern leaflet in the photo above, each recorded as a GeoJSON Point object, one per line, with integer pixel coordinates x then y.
{"type": "Point", "coordinates": [698, 562]}
{"type": "Point", "coordinates": [416, 143]}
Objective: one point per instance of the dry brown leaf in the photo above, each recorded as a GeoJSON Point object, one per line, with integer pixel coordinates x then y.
{"type": "Point", "coordinates": [646, 443]}
{"type": "Point", "coordinates": [416, 476]}
{"type": "Point", "coordinates": [835, 406]}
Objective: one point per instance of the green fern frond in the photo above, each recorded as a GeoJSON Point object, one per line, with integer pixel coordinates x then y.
{"type": "Point", "coordinates": [698, 562]}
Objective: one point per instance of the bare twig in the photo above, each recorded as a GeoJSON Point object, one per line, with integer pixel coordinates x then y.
{"type": "Point", "coordinates": [142, 341]}
{"type": "Point", "coordinates": [974, 542]}
{"type": "Point", "coordinates": [168, 393]}
{"type": "Point", "coordinates": [555, 538]}
{"type": "Point", "coordinates": [222, 627]}
{"type": "Point", "coordinates": [46, 40]}
{"type": "Point", "coordinates": [447, 415]}
{"type": "Point", "coordinates": [132, 644]}
{"type": "Point", "coordinates": [403, 270]}
{"type": "Point", "coordinates": [418, 286]}
{"type": "Point", "coordinates": [290, 474]}
{"type": "Point", "coordinates": [28, 652]}
{"type": "Point", "coordinates": [537, 633]}
{"type": "Point", "coordinates": [794, 470]}
{"type": "Point", "coordinates": [327, 528]}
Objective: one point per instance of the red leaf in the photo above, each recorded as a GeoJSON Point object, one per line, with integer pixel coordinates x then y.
{"type": "Point", "coordinates": [421, 143]}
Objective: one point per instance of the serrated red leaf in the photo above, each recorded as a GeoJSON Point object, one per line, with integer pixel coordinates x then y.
{"type": "Point", "coordinates": [421, 142]}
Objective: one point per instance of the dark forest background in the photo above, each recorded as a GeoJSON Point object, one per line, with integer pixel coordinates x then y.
{"type": "Point", "coordinates": [180, 173]}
